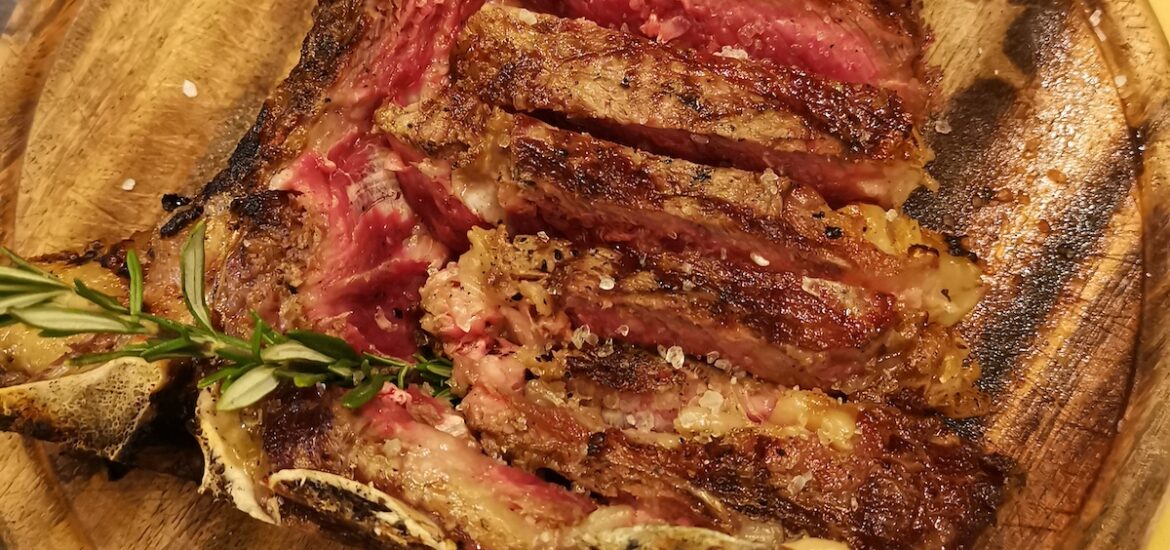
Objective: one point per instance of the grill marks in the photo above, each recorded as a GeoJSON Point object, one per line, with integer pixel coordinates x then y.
{"type": "Point", "coordinates": [583, 186]}
{"type": "Point", "coordinates": [745, 114]}
{"type": "Point", "coordinates": [763, 322]}
{"type": "Point", "coordinates": [680, 441]}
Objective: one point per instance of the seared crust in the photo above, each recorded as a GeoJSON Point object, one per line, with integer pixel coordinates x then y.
{"type": "Point", "coordinates": [575, 67]}
{"type": "Point", "coordinates": [337, 27]}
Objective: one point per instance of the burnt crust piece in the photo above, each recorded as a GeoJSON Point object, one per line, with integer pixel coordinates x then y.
{"type": "Point", "coordinates": [338, 26]}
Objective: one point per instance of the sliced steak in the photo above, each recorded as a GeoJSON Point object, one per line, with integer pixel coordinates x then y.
{"type": "Point", "coordinates": [861, 41]}
{"type": "Point", "coordinates": [683, 441]}
{"type": "Point", "coordinates": [851, 142]}
{"type": "Point", "coordinates": [906, 482]}
{"type": "Point", "coordinates": [537, 177]}
{"type": "Point", "coordinates": [773, 325]}
{"type": "Point", "coordinates": [776, 326]}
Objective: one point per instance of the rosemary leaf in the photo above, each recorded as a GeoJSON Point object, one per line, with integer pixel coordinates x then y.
{"type": "Point", "coordinates": [402, 372]}
{"type": "Point", "coordinates": [137, 284]}
{"type": "Point", "coordinates": [384, 361]}
{"type": "Point", "coordinates": [308, 379]}
{"type": "Point", "coordinates": [327, 345]}
{"type": "Point", "coordinates": [248, 389]}
{"type": "Point", "coordinates": [24, 265]}
{"type": "Point", "coordinates": [57, 321]}
{"type": "Point", "coordinates": [293, 351]}
{"type": "Point", "coordinates": [364, 392]}
{"type": "Point", "coordinates": [100, 299]}
{"type": "Point", "coordinates": [26, 300]}
{"type": "Point", "coordinates": [177, 347]}
{"type": "Point", "coordinates": [92, 358]}
{"type": "Point", "coordinates": [224, 374]}
{"type": "Point", "coordinates": [342, 369]}
{"type": "Point", "coordinates": [191, 268]}
{"type": "Point", "coordinates": [14, 276]}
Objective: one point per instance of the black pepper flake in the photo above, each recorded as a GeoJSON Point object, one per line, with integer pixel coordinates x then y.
{"type": "Point", "coordinates": [947, 292]}
{"type": "Point", "coordinates": [702, 174]}
{"type": "Point", "coordinates": [818, 215]}
{"type": "Point", "coordinates": [517, 297]}
{"type": "Point", "coordinates": [833, 232]}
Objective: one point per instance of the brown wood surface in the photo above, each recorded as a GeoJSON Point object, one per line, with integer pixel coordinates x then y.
{"type": "Point", "coordinates": [1037, 159]}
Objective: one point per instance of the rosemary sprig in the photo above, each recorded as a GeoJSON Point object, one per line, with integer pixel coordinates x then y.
{"type": "Point", "coordinates": [248, 369]}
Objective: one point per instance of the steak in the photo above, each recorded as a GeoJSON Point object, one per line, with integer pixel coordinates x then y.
{"type": "Point", "coordinates": [541, 178]}
{"type": "Point", "coordinates": [865, 42]}
{"type": "Point", "coordinates": [631, 251]}
{"type": "Point", "coordinates": [685, 441]}
{"type": "Point", "coordinates": [851, 142]}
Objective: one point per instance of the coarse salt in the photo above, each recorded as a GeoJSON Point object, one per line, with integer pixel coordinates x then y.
{"type": "Point", "coordinates": [606, 283]}
{"type": "Point", "coordinates": [1095, 18]}
{"type": "Point", "coordinates": [128, 184]}
{"type": "Point", "coordinates": [675, 356]}
{"type": "Point", "coordinates": [189, 89]}
{"type": "Point", "coordinates": [711, 401]}
{"type": "Point", "coordinates": [624, 330]}
{"type": "Point", "coordinates": [942, 126]}
{"type": "Point", "coordinates": [732, 53]}
{"type": "Point", "coordinates": [760, 260]}
{"type": "Point", "coordinates": [1120, 80]}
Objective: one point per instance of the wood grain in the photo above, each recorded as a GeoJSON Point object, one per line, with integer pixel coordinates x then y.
{"type": "Point", "coordinates": [1039, 171]}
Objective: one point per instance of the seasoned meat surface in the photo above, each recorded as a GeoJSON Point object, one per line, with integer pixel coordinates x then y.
{"type": "Point", "coordinates": [668, 280]}
{"type": "Point", "coordinates": [863, 41]}
{"type": "Point", "coordinates": [852, 142]}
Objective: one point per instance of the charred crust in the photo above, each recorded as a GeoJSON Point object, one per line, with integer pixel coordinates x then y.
{"type": "Point", "coordinates": [262, 208]}
{"type": "Point", "coordinates": [627, 369]}
{"type": "Point", "coordinates": [92, 251]}
{"type": "Point", "coordinates": [337, 26]}
{"type": "Point", "coordinates": [181, 220]}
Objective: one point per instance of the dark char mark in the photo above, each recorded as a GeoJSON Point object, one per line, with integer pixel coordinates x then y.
{"type": "Point", "coordinates": [976, 115]}
{"type": "Point", "coordinates": [1009, 330]}
{"type": "Point", "coordinates": [337, 27]}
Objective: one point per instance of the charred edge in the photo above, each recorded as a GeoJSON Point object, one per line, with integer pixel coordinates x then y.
{"type": "Point", "coordinates": [336, 29]}
{"type": "Point", "coordinates": [171, 201]}
{"type": "Point", "coordinates": [92, 251]}
{"type": "Point", "coordinates": [630, 369]}
{"type": "Point", "coordinates": [296, 421]}
{"type": "Point", "coordinates": [1009, 329]}
{"type": "Point", "coordinates": [976, 115]}
{"type": "Point", "coordinates": [1033, 37]}
{"type": "Point", "coordinates": [180, 220]}
{"type": "Point", "coordinates": [352, 522]}
{"type": "Point", "coordinates": [261, 208]}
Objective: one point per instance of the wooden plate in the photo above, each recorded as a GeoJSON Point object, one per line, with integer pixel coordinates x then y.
{"type": "Point", "coordinates": [1051, 140]}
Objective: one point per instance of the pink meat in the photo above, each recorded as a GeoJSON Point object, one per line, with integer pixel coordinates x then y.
{"type": "Point", "coordinates": [867, 42]}
{"type": "Point", "coordinates": [376, 249]}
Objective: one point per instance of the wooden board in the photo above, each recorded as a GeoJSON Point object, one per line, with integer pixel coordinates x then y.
{"type": "Point", "coordinates": [1037, 155]}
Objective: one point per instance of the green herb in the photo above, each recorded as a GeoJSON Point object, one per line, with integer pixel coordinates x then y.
{"type": "Point", "coordinates": [248, 369]}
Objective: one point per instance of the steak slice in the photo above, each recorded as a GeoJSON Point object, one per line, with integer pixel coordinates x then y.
{"type": "Point", "coordinates": [779, 327]}
{"type": "Point", "coordinates": [537, 177]}
{"type": "Point", "coordinates": [860, 41]}
{"type": "Point", "coordinates": [774, 325]}
{"type": "Point", "coordinates": [684, 441]}
{"type": "Point", "coordinates": [850, 142]}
